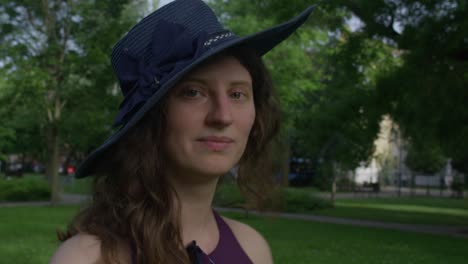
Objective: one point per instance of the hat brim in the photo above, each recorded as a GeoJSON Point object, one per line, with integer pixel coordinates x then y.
{"type": "Point", "coordinates": [261, 42]}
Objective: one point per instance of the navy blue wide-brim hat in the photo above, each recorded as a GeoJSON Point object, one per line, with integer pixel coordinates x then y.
{"type": "Point", "coordinates": [162, 48]}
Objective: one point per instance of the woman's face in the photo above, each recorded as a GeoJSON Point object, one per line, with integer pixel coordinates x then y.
{"type": "Point", "coordinates": [210, 114]}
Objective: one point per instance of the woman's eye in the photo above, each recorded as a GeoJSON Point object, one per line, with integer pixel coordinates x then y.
{"type": "Point", "coordinates": [237, 95]}
{"type": "Point", "coordinates": [191, 93]}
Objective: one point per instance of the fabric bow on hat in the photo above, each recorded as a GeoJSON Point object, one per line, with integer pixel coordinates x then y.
{"type": "Point", "coordinates": [172, 49]}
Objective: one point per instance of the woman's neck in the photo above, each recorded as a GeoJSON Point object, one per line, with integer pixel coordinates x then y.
{"type": "Point", "coordinates": [196, 219]}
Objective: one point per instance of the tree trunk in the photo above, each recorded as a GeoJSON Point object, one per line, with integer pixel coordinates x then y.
{"type": "Point", "coordinates": [56, 51]}
{"type": "Point", "coordinates": [285, 165]}
{"type": "Point", "coordinates": [53, 163]}
{"type": "Point", "coordinates": [333, 190]}
{"type": "Point", "coordinates": [280, 158]}
{"type": "Point", "coordinates": [333, 183]}
{"type": "Point", "coordinates": [413, 183]}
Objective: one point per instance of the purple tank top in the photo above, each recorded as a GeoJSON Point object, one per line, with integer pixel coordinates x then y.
{"type": "Point", "coordinates": [227, 251]}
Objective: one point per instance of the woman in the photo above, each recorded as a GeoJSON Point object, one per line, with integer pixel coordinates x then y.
{"type": "Point", "coordinates": [198, 102]}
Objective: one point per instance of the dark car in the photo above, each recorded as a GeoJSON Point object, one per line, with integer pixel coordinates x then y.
{"type": "Point", "coordinates": [300, 172]}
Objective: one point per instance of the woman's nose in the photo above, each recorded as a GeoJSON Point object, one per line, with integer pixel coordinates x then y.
{"type": "Point", "coordinates": [220, 112]}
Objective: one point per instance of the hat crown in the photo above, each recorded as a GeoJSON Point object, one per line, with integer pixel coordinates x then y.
{"type": "Point", "coordinates": [194, 15]}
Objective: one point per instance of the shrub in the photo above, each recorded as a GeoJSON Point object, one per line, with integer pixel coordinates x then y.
{"type": "Point", "coordinates": [281, 199]}
{"type": "Point", "coordinates": [345, 184]}
{"type": "Point", "coordinates": [27, 189]}
{"type": "Point", "coordinates": [298, 200]}
{"type": "Point", "coordinates": [228, 195]}
{"type": "Point", "coordinates": [457, 188]}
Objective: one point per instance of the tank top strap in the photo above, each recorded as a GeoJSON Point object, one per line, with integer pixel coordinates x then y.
{"type": "Point", "coordinates": [228, 249]}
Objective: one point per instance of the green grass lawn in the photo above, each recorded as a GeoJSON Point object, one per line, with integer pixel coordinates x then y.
{"type": "Point", "coordinates": [28, 236]}
{"type": "Point", "coordinates": [418, 210]}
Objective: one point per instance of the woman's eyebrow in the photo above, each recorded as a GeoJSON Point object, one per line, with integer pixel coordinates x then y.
{"type": "Point", "coordinates": [207, 81]}
{"type": "Point", "coordinates": [241, 83]}
{"type": "Point", "coordinates": [195, 79]}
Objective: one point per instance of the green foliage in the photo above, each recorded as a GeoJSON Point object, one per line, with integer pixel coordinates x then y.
{"type": "Point", "coordinates": [341, 120]}
{"type": "Point", "coordinates": [345, 184]}
{"type": "Point", "coordinates": [425, 90]}
{"type": "Point", "coordinates": [59, 87]}
{"type": "Point", "coordinates": [22, 112]}
{"type": "Point", "coordinates": [282, 199]}
{"type": "Point", "coordinates": [28, 189]}
{"type": "Point", "coordinates": [458, 186]}
{"type": "Point", "coordinates": [7, 134]}
{"type": "Point", "coordinates": [425, 158]}
{"type": "Point", "coordinates": [302, 201]}
{"type": "Point", "coordinates": [408, 59]}
{"type": "Point", "coordinates": [323, 180]}
{"type": "Point", "coordinates": [228, 195]}
{"type": "Point", "coordinates": [427, 94]}
{"type": "Point", "coordinates": [72, 67]}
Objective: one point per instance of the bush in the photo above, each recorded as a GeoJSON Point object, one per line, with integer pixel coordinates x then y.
{"type": "Point", "coordinates": [16, 190]}
{"type": "Point", "coordinates": [457, 188]}
{"type": "Point", "coordinates": [299, 201]}
{"type": "Point", "coordinates": [281, 199]}
{"type": "Point", "coordinates": [322, 181]}
{"type": "Point", "coordinates": [228, 195]}
{"type": "Point", "coordinates": [344, 184]}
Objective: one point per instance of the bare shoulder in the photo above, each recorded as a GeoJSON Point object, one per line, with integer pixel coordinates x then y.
{"type": "Point", "coordinates": [251, 242]}
{"type": "Point", "coordinates": [79, 249]}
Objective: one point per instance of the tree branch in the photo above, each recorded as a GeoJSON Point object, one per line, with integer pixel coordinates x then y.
{"type": "Point", "coordinates": [377, 28]}
{"type": "Point", "coordinates": [31, 21]}
{"type": "Point", "coordinates": [66, 31]}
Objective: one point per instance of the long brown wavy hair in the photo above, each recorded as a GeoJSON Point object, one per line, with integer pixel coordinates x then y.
{"type": "Point", "coordinates": [133, 203]}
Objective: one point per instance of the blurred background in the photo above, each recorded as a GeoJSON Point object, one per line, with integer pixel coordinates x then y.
{"type": "Point", "coordinates": [374, 98]}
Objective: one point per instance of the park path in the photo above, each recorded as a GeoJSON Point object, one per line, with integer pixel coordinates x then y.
{"type": "Point", "coordinates": [66, 199]}
{"type": "Point", "coordinates": [454, 231]}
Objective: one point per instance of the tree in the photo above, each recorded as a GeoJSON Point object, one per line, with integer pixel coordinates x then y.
{"type": "Point", "coordinates": [427, 94]}
{"type": "Point", "coordinates": [425, 90]}
{"type": "Point", "coordinates": [56, 55]}
{"type": "Point", "coordinates": [7, 134]}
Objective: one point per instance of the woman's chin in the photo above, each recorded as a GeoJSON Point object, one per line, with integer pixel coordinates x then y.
{"type": "Point", "coordinates": [203, 167]}
{"type": "Point", "coordinates": [212, 169]}
{"type": "Point", "coordinates": [215, 171]}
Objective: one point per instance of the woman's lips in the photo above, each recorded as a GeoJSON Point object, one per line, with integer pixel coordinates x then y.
{"type": "Point", "coordinates": [216, 143]}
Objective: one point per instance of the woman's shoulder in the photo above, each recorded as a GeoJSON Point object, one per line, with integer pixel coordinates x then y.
{"type": "Point", "coordinates": [251, 241]}
{"type": "Point", "coordinates": [79, 249]}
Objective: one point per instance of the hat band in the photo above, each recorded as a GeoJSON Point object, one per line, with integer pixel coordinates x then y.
{"type": "Point", "coordinates": [218, 37]}
{"type": "Point", "coordinates": [170, 50]}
